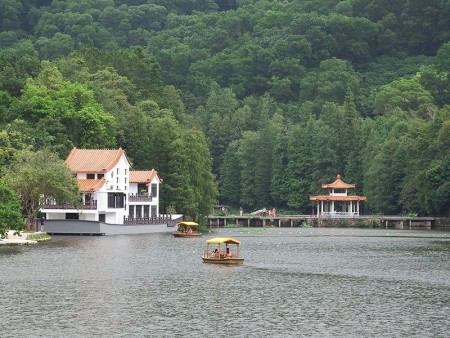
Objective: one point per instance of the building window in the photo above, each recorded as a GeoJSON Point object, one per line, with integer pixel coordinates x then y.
{"type": "Point", "coordinates": [116, 200]}
{"type": "Point", "coordinates": [102, 218]}
{"type": "Point", "coordinates": [72, 216]}
{"type": "Point", "coordinates": [90, 176]}
{"type": "Point", "coordinates": [154, 190]}
{"type": "Point", "coordinates": [111, 200]}
{"type": "Point", "coordinates": [154, 212]}
{"type": "Point", "coordinates": [131, 211]}
{"type": "Point", "coordinates": [146, 211]}
{"type": "Point", "coordinates": [138, 210]}
{"type": "Point", "coordinates": [142, 189]}
{"type": "Point", "coordinates": [99, 176]}
{"type": "Point", "coordinates": [120, 200]}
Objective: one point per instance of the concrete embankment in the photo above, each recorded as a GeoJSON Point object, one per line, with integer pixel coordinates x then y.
{"type": "Point", "coordinates": [23, 238]}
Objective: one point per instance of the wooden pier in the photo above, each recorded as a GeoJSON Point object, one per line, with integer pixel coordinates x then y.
{"type": "Point", "coordinates": [387, 222]}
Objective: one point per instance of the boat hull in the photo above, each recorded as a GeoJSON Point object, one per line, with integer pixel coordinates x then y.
{"type": "Point", "coordinates": [184, 235]}
{"type": "Point", "coordinates": [232, 261]}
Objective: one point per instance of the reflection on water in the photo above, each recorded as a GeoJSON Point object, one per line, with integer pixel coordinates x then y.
{"type": "Point", "coordinates": [294, 282]}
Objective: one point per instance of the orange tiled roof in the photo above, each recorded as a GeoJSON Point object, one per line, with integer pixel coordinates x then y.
{"type": "Point", "coordinates": [338, 184]}
{"type": "Point", "coordinates": [337, 198]}
{"type": "Point", "coordinates": [142, 176]}
{"type": "Point", "coordinates": [93, 160]}
{"type": "Point", "coordinates": [90, 185]}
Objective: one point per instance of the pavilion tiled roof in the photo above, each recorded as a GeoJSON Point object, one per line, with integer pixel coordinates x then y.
{"type": "Point", "coordinates": [337, 198]}
{"type": "Point", "coordinates": [142, 176]}
{"type": "Point", "coordinates": [338, 184]}
{"type": "Point", "coordinates": [93, 160]}
{"type": "Point", "coordinates": [90, 185]}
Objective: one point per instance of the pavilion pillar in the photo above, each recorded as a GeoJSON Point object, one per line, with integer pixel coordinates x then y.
{"type": "Point", "coordinates": [318, 209]}
{"type": "Point", "coordinates": [332, 207]}
{"type": "Point", "coordinates": [357, 207]}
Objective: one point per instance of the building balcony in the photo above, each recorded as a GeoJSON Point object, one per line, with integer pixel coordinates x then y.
{"type": "Point", "coordinates": [139, 198]}
{"type": "Point", "coordinates": [51, 204]}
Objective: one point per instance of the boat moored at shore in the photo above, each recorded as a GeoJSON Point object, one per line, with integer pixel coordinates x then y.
{"type": "Point", "coordinates": [187, 229]}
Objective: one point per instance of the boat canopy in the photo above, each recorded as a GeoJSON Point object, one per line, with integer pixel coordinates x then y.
{"type": "Point", "coordinates": [188, 224]}
{"type": "Point", "coordinates": [219, 240]}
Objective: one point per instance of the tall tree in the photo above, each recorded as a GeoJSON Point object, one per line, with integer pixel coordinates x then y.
{"type": "Point", "coordinates": [52, 102]}
{"type": "Point", "coordinates": [248, 158]}
{"type": "Point", "coordinates": [10, 215]}
{"type": "Point", "coordinates": [38, 176]}
{"type": "Point", "coordinates": [191, 184]}
{"type": "Point", "coordinates": [230, 175]}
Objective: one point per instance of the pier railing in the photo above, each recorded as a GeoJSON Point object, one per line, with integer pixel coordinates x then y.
{"type": "Point", "coordinates": [161, 219]}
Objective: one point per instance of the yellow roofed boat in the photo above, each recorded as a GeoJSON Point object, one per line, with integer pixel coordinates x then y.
{"type": "Point", "coordinates": [187, 229]}
{"type": "Point", "coordinates": [222, 250]}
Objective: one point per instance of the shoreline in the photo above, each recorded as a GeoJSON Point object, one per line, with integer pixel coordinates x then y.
{"type": "Point", "coordinates": [13, 239]}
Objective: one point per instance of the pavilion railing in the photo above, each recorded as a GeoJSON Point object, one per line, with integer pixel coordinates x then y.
{"type": "Point", "coordinates": [340, 214]}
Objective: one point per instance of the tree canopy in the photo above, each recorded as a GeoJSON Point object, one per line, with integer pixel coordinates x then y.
{"type": "Point", "coordinates": [36, 176]}
{"type": "Point", "coordinates": [250, 103]}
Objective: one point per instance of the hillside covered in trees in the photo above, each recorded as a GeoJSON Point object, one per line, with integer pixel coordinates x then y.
{"type": "Point", "coordinates": [242, 102]}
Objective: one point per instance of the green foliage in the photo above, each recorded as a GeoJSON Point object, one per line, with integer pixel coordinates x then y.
{"type": "Point", "coordinates": [16, 70]}
{"type": "Point", "coordinates": [230, 175]}
{"type": "Point", "coordinates": [368, 223]}
{"type": "Point", "coordinates": [38, 176]}
{"type": "Point", "coordinates": [65, 113]}
{"type": "Point", "coordinates": [285, 94]}
{"type": "Point", "coordinates": [191, 186]}
{"type": "Point", "coordinates": [407, 95]}
{"type": "Point", "coordinates": [10, 215]}
{"type": "Point", "coordinates": [38, 237]}
{"type": "Point", "coordinates": [330, 82]}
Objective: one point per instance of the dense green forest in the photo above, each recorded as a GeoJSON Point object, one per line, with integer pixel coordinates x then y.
{"type": "Point", "coordinates": [242, 102]}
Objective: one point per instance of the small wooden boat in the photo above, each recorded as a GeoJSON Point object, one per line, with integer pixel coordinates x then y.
{"type": "Point", "coordinates": [187, 229]}
{"type": "Point", "coordinates": [226, 251]}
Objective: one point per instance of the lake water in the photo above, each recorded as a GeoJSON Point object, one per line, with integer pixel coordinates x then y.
{"type": "Point", "coordinates": [295, 282]}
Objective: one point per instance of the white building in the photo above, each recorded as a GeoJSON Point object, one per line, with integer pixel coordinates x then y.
{"type": "Point", "coordinates": [110, 192]}
{"type": "Point", "coordinates": [143, 196]}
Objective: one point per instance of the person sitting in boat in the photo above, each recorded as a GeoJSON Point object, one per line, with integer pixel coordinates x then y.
{"type": "Point", "coordinates": [189, 231]}
{"type": "Point", "coordinates": [228, 254]}
{"type": "Point", "coordinates": [216, 254]}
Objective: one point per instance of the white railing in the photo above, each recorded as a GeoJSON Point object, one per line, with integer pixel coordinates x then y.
{"type": "Point", "coordinates": [341, 214]}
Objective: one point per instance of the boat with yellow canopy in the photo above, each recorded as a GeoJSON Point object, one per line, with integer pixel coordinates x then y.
{"type": "Point", "coordinates": [226, 251]}
{"type": "Point", "coordinates": [187, 229]}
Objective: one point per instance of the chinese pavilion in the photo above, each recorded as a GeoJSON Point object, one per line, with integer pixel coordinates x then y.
{"type": "Point", "coordinates": [337, 203]}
